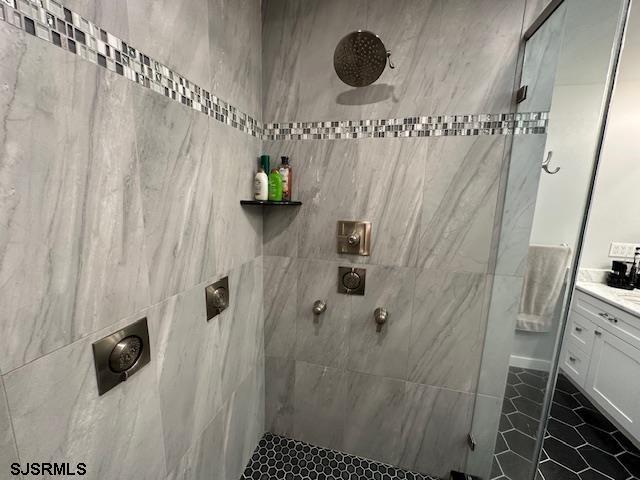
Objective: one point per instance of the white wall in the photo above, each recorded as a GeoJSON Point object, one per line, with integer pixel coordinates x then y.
{"type": "Point", "coordinates": [614, 214]}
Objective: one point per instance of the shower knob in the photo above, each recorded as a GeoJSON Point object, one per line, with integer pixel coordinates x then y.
{"type": "Point", "coordinates": [380, 315]}
{"type": "Point", "coordinates": [319, 307]}
{"type": "Point", "coordinates": [219, 298]}
{"type": "Point", "coordinates": [125, 354]}
{"type": "Point", "coordinates": [353, 239]}
{"type": "Point", "coordinates": [351, 280]}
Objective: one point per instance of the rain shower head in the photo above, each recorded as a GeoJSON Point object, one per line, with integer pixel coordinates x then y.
{"type": "Point", "coordinates": [360, 58]}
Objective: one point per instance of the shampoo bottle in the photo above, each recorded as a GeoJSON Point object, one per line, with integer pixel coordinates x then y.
{"type": "Point", "coordinates": [287, 178]}
{"type": "Point", "coordinates": [261, 181]}
{"type": "Point", "coordinates": [275, 186]}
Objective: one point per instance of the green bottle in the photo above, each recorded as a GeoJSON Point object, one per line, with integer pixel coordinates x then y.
{"type": "Point", "coordinates": [275, 186]}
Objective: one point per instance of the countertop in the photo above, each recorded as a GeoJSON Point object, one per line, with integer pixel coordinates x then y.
{"type": "Point", "coordinates": [627, 300]}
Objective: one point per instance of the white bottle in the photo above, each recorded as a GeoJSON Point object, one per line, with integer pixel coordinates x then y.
{"type": "Point", "coordinates": [261, 185]}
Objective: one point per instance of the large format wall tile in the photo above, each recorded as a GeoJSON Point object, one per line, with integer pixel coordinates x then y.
{"type": "Point", "coordinates": [386, 352]}
{"type": "Point", "coordinates": [320, 396]}
{"type": "Point", "coordinates": [461, 187]}
{"type": "Point", "coordinates": [241, 327]}
{"type": "Point", "coordinates": [176, 171]}
{"type": "Point", "coordinates": [224, 447]}
{"type": "Point", "coordinates": [447, 329]}
{"type": "Point", "coordinates": [379, 180]}
{"type": "Point", "coordinates": [71, 246]}
{"type": "Point", "coordinates": [58, 415]}
{"type": "Point", "coordinates": [280, 298]}
{"type": "Point", "coordinates": [8, 453]}
{"type": "Point", "coordinates": [237, 230]}
{"type": "Point", "coordinates": [174, 32]}
{"type": "Point", "coordinates": [474, 59]}
{"type": "Point", "coordinates": [321, 339]}
{"type": "Point", "coordinates": [432, 43]}
{"type": "Point", "coordinates": [435, 429]}
{"type": "Point", "coordinates": [376, 409]}
{"type": "Point", "coordinates": [527, 154]}
{"type": "Point", "coordinates": [279, 399]}
{"type": "Point", "coordinates": [235, 41]}
{"type": "Point", "coordinates": [189, 374]}
{"type": "Point", "coordinates": [498, 343]}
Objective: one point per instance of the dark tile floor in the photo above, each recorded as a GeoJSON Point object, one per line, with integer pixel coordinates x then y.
{"type": "Point", "coordinates": [281, 458]}
{"type": "Point", "coordinates": [580, 443]}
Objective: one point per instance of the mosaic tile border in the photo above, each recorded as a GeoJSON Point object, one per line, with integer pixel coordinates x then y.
{"type": "Point", "coordinates": [50, 21]}
{"type": "Point", "coordinates": [431, 126]}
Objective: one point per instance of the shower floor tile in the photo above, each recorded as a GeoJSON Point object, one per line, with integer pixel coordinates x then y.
{"type": "Point", "coordinates": [281, 458]}
{"type": "Point", "coordinates": [580, 443]}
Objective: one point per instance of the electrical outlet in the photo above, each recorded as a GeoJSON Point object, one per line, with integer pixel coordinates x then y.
{"type": "Point", "coordinates": [622, 250]}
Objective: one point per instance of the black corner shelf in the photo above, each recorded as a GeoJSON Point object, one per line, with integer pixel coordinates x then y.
{"type": "Point", "coordinates": [271, 203]}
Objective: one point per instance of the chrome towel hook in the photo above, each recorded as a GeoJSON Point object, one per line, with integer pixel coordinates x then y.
{"type": "Point", "coordinates": [545, 164]}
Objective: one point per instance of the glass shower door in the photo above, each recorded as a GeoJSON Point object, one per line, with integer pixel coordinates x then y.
{"type": "Point", "coordinates": [567, 64]}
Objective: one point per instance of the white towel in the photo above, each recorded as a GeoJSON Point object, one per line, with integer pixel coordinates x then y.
{"type": "Point", "coordinates": [543, 281]}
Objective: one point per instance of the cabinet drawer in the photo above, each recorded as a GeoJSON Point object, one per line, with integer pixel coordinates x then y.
{"type": "Point", "coordinates": [581, 331]}
{"type": "Point", "coordinates": [574, 362]}
{"type": "Point", "coordinates": [618, 322]}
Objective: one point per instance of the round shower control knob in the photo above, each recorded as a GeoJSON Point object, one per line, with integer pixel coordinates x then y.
{"type": "Point", "coordinates": [219, 298]}
{"type": "Point", "coordinates": [125, 354]}
{"type": "Point", "coordinates": [353, 239]}
{"type": "Point", "coordinates": [351, 280]}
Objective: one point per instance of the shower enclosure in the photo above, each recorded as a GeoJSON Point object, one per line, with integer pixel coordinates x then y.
{"type": "Point", "coordinates": [568, 67]}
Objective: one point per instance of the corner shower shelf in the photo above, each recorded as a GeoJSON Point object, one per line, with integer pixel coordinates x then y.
{"type": "Point", "coordinates": [271, 203]}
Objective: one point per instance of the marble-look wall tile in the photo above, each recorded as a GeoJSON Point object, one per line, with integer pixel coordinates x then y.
{"type": "Point", "coordinates": [280, 309]}
{"type": "Point", "coordinates": [241, 327]}
{"type": "Point", "coordinates": [174, 32]}
{"type": "Point", "coordinates": [235, 45]}
{"type": "Point", "coordinates": [435, 429]}
{"type": "Point", "coordinates": [72, 256]}
{"type": "Point", "coordinates": [321, 339]}
{"type": "Point", "coordinates": [227, 442]}
{"type": "Point", "coordinates": [320, 396]}
{"type": "Point", "coordinates": [541, 55]}
{"type": "Point", "coordinates": [175, 172]}
{"type": "Point", "coordinates": [237, 230]}
{"type": "Point", "coordinates": [189, 375]}
{"type": "Point", "coordinates": [57, 413]}
{"type": "Point", "coordinates": [245, 421]}
{"type": "Point", "coordinates": [501, 324]}
{"type": "Point", "coordinates": [376, 409]}
{"type": "Point", "coordinates": [383, 353]}
{"type": "Point", "coordinates": [533, 9]}
{"type": "Point", "coordinates": [447, 329]}
{"type": "Point", "coordinates": [475, 56]}
{"type": "Point", "coordinates": [379, 180]}
{"type": "Point", "coordinates": [461, 188]}
{"type": "Point", "coordinates": [8, 453]}
{"type": "Point", "coordinates": [486, 418]}
{"type": "Point", "coordinates": [479, 38]}
{"type": "Point", "coordinates": [111, 16]}
{"type": "Point", "coordinates": [519, 205]}
{"type": "Point", "coordinates": [279, 399]}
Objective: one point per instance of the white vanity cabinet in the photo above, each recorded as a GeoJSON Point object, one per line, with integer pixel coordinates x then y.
{"type": "Point", "coordinates": [601, 353]}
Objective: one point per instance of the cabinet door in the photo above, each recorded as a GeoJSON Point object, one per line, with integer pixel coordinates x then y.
{"type": "Point", "coordinates": [612, 381]}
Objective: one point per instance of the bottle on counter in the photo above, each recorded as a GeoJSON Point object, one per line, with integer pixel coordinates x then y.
{"type": "Point", "coordinates": [261, 181]}
{"type": "Point", "coordinates": [287, 178]}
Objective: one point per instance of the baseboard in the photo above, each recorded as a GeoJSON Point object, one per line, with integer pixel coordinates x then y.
{"type": "Point", "coordinates": [528, 362]}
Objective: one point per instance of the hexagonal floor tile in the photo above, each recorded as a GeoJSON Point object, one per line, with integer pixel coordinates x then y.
{"type": "Point", "coordinates": [554, 471]}
{"type": "Point", "coordinates": [564, 455]}
{"type": "Point", "coordinates": [603, 462]}
{"type": "Point", "coordinates": [565, 433]}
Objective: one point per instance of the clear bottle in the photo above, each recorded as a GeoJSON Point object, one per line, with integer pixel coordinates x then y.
{"type": "Point", "coordinates": [261, 180]}
{"type": "Point", "coordinates": [287, 178]}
